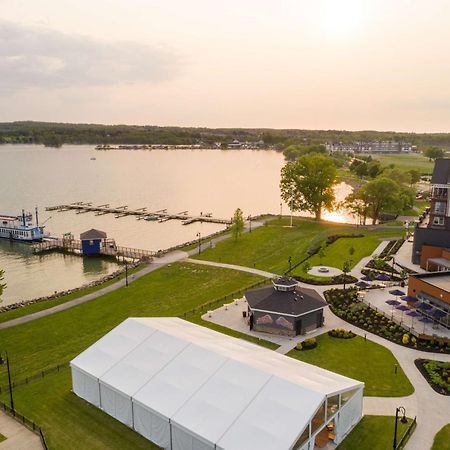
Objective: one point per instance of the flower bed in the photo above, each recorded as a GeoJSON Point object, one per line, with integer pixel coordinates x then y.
{"type": "Point", "coordinates": [340, 333]}
{"type": "Point", "coordinates": [347, 306]}
{"type": "Point", "coordinates": [307, 344]}
{"type": "Point", "coordinates": [338, 279]}
{"type": "Point", "coordinates": [437, 373]}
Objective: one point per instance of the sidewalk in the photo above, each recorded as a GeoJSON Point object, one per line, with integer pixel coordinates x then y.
{"type": "Point", "coordinates": [18, 437]}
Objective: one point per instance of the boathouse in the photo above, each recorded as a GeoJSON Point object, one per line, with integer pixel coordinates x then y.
{"type": "Point", "coordinates": [285, 308]}
{"type": "Point", "coordinates": [91, 241]}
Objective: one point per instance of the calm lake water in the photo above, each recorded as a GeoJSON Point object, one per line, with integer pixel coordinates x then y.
{"type": "Point", "coordinates": [207, 181]}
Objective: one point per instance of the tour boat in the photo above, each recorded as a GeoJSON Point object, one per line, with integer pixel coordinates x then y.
{"type": "Point", "coordinates": [21, 228]}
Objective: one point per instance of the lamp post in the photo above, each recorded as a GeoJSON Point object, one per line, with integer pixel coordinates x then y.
{"type": "Point", "coordinates": [281, 210]}
{"type": "Point", "coordinates": [199, 242]}
{"type": "Point", "coordinates": [126, 273]}
{"type": "Point", "coordinates": [2, 361]}
{"type": "Point", "coordinates": [402, 410]}
{"type": "Point", "coordinates": [249, 223]}
{"type": "Point", "coordinates": [393, 264]}
{"type": "Point", "coordinates": [292, 201]}
{"type": "Point", "coordinates": [290, 263]}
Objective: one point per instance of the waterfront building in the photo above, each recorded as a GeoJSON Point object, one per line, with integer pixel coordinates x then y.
{"type": "Point", "coordinates": [371, 147]}
{"type": "Point", "coordinates": [186, 387]}
{"type": "Point", "coordinates": [432, 232]}
{"type": "Point", "coordinates": [284, 308]}
{"type": "Point", "coordinates": [92, 241]}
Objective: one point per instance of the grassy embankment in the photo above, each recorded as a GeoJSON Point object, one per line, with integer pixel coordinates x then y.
{"type": "Point", "coordinates": [362, 360]}
{"type": "Point", "coordinates": [406, 162]}
{"type": "Point", "coordinates": [373, 433]}
{"type": "Point", "coordinates": [67, 421]}
{"type": "Point", "coordinates": [442, 439]}
{"type": "Point", "coordinates": [45, 304]}
{"type": "Point", "coordinates": [269, 247]}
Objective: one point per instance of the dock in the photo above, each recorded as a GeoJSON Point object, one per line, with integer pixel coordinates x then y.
{"type": "Point", "coordinates": [108, 249]}
{"type": "Point", "coordinates": [140, 213]}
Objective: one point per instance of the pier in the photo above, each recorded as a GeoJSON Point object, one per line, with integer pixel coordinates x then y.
{"type": "Point", "coordinates": [109, 248]}
{"type": "Point", "coordinates": [140, 213]}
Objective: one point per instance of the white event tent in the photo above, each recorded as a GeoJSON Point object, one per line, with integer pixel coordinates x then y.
{"type": "Point", "coordinates": [186, 387]}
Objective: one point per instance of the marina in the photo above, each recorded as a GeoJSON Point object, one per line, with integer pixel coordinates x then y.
{"type": "Point", "coordinates": [141, 213]}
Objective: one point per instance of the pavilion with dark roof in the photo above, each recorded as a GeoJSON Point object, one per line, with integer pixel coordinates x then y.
{"type": "Point", "coordinates": [284, 308]}
{"type": "Point", "coordinates": [92, 241]}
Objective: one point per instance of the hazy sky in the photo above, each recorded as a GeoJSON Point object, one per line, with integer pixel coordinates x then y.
{"type": "Point", "coordinates": [341, 64]}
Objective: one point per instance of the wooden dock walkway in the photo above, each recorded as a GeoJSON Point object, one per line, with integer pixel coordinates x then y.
{"type": "Point", "coordinates": [140, 213]}
{"type": "Point", "coordinates": [108, 249]}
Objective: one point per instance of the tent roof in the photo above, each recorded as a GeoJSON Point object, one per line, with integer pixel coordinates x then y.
{"type": "Point", "coordinates": [218, 387]}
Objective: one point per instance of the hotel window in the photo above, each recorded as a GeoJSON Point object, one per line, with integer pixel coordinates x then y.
{"type": "Point", "coordinates": [438, 221]}
{"type": "Point", "coordinates": [440, 207]}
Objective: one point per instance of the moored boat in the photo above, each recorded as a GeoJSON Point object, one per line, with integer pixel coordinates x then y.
{"type": "Point", "coordinates": [21, 228]}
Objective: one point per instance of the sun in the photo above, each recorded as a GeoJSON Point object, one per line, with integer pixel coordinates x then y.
{"type": "Point", "coordinates": [342, 18]}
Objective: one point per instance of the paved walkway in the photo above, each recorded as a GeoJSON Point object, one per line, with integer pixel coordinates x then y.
{"type": "Point", "coordinates": [18, 437]}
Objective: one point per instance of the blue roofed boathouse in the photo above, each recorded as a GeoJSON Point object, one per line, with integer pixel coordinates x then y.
{"type": "Point", "coordinates": [91, 242]}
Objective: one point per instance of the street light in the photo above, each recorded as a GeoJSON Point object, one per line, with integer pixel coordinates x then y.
{"type": "Point", "coordinates": [290, 263]}
{"type": "Point", "coordinates": [249, 223]}
{"type": "Point", "coordinates": [2, 361]}
{"type": "Point", "coordinates": [199, 242]}
{"type": "Point", "coordinates": [403, 420]}
{"type": "Point", "coordinates": [126, 273]}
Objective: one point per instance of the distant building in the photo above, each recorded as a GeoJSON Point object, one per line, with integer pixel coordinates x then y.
{"type": "Point", "coordinates": [371, 147]}
{"type": "Point", "coordinates": [432, 233]}
{"type": "Point", "coordinates": [285, 308]}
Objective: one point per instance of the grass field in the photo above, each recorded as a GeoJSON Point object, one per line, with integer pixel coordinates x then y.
{"type": "Point", "coordinates": [68, 422]}
{"type": "Point", "coordinates": [407, 162]}
{"type": "Point", "coordinates": [373, 433]}
{"type": "Point", "coordinates": [362, 360]}
{"type": "Point", "coordinates": [442, 439]}
{"type": "Point", "coordinates": [269, 247]}
{"type": "Point", "coordinates": [35, 307]}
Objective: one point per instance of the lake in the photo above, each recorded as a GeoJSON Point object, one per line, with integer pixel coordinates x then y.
{"type": "Point", "coordinates": [199, 181]}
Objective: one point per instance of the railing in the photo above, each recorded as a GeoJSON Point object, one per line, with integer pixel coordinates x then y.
{"type": "Point", "coordinates": [30, 424]}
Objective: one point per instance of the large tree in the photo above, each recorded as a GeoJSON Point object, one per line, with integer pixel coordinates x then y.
{"type": "Point", "coordinates": [376, 197]}
{"type": "Point", "coordinates": [307, 184]}
{"type": "Point", "coordinates": [433, 153]}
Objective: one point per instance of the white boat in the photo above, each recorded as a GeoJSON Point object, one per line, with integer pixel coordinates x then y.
{"type": "Point", "coordinates": [21, 228]}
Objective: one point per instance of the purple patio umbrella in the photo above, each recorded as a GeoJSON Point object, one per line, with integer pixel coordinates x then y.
{"type": "Point", "coordinates": [392, 303]}
{"type": "Point", "coordinates": [382, 277]}
{"type": "Point", "coordinates": [402, 308]}
{"type": "Point", "coordinates": [396, 292]}
{"type": "Point", "coordinates": [409, 299]}
{"type": "Point", "coordinates": [423, 306]}
{"type": "Point", "coordinates": [362, 284]}
{"type": "Point", "coordinates": [366, 278]}
{"type": "Point", "coordinates": [438, 313]}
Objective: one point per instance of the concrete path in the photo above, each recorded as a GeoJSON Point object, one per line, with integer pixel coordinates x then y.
{"type": "Point", "coordinates": [18, 437]}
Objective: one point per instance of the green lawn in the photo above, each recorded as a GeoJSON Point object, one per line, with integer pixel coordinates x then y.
{"type": "Point", "coordinates": [373, 433]}
{"type": "Point", "coordinates": [338, 252]}
{"type": "Point", "coordinates": [362, 360]}
{"type": "Point", "coordinates": [67, 421]}
{"type": "Point", "coordinates": [407, 162]}
{"type": "Point", "coordinates": [35, 307]}
{"type": "Point", "coordinates": [442, 439]}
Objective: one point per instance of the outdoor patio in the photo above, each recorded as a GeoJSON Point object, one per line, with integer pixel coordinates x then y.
{"type": "Point", "coordinates": [400, 311]}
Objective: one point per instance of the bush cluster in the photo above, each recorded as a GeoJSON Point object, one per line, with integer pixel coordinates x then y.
{"type": "Point", "coordinates": [439, 374]}
{"type": "Point", "coordinates": [341, 333]}
{"type": "Point", "coordinates": [307, 344]}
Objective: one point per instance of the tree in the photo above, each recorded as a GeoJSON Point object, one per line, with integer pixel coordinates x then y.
{"type": "Point", "coordinates": [237, 223]}
{"type": "Point", "coordinates": [375, 197]}
{"type": "Point", "coordinates": [414, 176]}
{"type": "Point", "coordinates": [433, 153]}
{"type": "Point", "coordinates": [294, 151]}
{"type": "Point", "coordinates": [346, 269]}
{"type": "Point", "coordinates": [307, 184]}
{"type": "Point", "coordinates": [322, 253]}
{"type": "Point", "coordinates": [374, 168]}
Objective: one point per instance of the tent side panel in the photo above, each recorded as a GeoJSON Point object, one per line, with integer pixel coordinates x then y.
{"type": "Point", "coordinates": [152, 427]}
{"type": "Point", "coordinates": [85, 386]}
{"type": "Point", "coordinates": [181, 440]}
{"type": "Point", "coordinates": [117, 405]}
{"type": "Point", "coordinates": [349, 415]}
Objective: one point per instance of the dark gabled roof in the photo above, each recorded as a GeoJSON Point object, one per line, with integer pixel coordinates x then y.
{"type": "Point", "coordinates": [441, 172]}
{"type": "Point", "coordinates": [92, 234]}
{"type": "Point", "coordinates": [296, 302]}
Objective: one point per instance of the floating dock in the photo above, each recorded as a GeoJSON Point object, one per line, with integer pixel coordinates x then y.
{"type": "Point", "coordinates": [140, 213]}
{"type": "Point", "coordinates": [109, 249]}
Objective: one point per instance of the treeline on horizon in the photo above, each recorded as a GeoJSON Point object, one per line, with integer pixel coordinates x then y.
{"type": "Point", "coordinates": [57, 134]}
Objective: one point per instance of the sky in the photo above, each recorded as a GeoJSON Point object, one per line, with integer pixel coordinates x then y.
{"type": "Point", "coordinates": [322, 64]}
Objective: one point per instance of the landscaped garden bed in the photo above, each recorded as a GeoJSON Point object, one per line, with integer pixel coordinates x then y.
{"type": "Point", "coordinates": [346, 305]}
{"type": "Point", "coordinates": [326, 281]}
{"type": "Point", "coordinates": [340, 333]}
{"type": "Point", "coordinates": [437, 373]}
{"type": "Point", "coordinates": [307, 344]}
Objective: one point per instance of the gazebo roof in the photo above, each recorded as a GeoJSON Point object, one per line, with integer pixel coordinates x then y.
{"type": "Point", "coordinates": [294, 303]}
{"type": "Point", "coordinates": [92, 234]}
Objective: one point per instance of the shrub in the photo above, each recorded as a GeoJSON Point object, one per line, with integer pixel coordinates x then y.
{"type": "Point", "coordinates": [341, 333]}
{"type": "Point", "coordinates": [309, 343]}
{"type": "Point", "coordinates": [299, 346]}
{"type": "Point", "coordinates": [405, 339]}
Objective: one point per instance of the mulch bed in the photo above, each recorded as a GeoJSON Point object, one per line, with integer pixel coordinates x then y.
{"type": "Point", "coordinates": [422, 370]}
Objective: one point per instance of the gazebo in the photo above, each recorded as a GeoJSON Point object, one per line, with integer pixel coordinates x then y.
{"type": "Point", "coordinates": [284, 308]}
